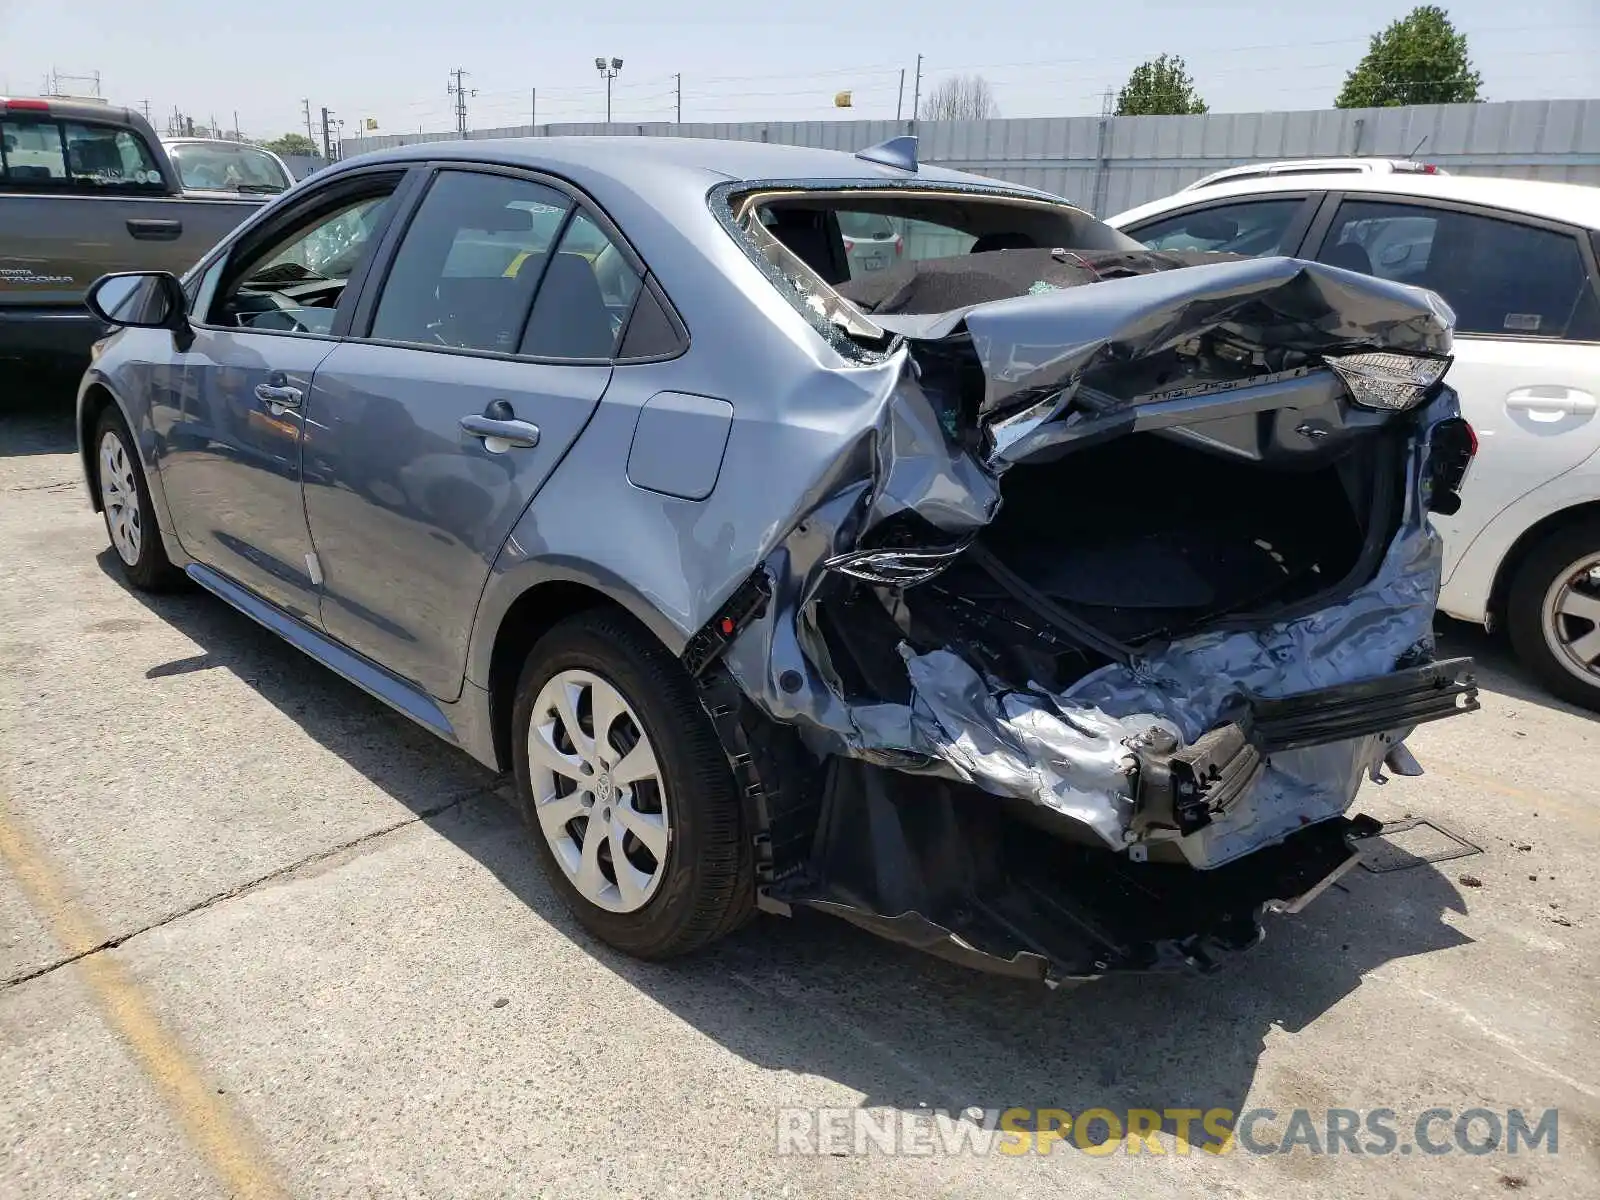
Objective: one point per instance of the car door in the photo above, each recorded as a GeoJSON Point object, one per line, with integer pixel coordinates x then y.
{"type": "Point", "coordinates": [482, 355]}
{"type": "Point", "coordinates": [1527, 320]}
{"type": "Point", "coordinates": [230, 418]}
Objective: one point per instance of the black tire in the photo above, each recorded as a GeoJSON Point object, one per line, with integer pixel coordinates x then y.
{"type": "Point", "coordinates": [708, 886]}
{"type": "Point", "coordinates": [150, 570]}
{"type": "Point", "coordinates": [1547, 565]}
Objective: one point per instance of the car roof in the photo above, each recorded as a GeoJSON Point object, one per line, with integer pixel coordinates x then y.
{"type": "Point", "coordinates": [1333, 166]}
{"type": "Point", "coordinates": [1572, 203]}
{"type": "Point", "coordinates": [641, 162]}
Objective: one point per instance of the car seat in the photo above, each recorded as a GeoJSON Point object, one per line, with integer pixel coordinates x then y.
{"type": "Point", "coordinates": [570, 318]}
{"type": "Point", "coordinates": [1351, 256]}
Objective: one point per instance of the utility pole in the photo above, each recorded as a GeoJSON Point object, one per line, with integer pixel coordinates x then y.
{"type": "Point", "coordinates": [533, 110]}
{"type": "Point", "coordinates": [916, 93]}
{"type": "Point", "coordinates": [236, 135]}
{"type": "Point", "coordinates": [327, 140]}
{"type": "Point", "coordinates": [144, 106]}
{"type": "Point", "coordinates": [900, 100]}
{"type": "Point", "coordinates": [457, 89]}
{"type": "Point", "coordinates": [305, 107]}
{"type": "Point", "coordinates": [679, 78]}
{"type": "Point", "coordinates": [608, 72]}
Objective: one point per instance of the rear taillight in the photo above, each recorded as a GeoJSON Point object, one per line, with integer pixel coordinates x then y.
{"type": "Point", "coordinates": [1429, 169]}
{"type": "Point", "coordinates": [899, 245]}
{"type": "Point", "coordinates": [848, 245]}
{"type": "Point", "coordinates": [25, 105]}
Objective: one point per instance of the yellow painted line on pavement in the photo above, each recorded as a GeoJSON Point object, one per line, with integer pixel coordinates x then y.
{"type": "Point", "coordinates": [223, 1138]}
{"type": "Point", "coordinates": [1587, 814]}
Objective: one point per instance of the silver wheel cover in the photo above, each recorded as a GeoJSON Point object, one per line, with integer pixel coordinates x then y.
{"type": "Point", "coordinates": [119, 494]}
{"type": "Point", "coordinates": [1570, 618]}
{"type": "Point", "coordinates": [602, 806]}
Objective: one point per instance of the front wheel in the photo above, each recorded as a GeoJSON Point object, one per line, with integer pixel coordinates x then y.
{"type": "Point", "coordinates": [626, 790]}
{"type": "Point", "coordinates": [1553, 613]}
{"type": "Point", "coordinates": [125, 502]}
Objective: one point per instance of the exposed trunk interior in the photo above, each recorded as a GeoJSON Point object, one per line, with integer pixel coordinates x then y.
{"type": "Point", "coordinates": [1142, 539]}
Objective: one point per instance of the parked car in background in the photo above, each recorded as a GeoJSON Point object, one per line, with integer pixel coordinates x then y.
{"type": "Point", "coordinates": [1517, 261]}
{"type": "Point", "coordinates": [714, 558]}
{"type": "Point", "coordinates": [86, 188]}
{"type": "Point", "coordinates": [871, 242]}
{"type": "Point", "coordinates": [219, 167]}
{"type": "Point", "coordinates": [1315, 166]}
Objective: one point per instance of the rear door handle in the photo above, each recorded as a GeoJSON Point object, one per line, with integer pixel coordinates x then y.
{"type": "Point", "coordinates": [150, 229]}
{"type": "Point", "coordinates": [499, 436]}
{"type": "Point", "coordinates": [1570, 401]}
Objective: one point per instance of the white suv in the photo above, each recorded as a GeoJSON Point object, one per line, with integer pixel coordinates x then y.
{"type": "Point", "coordinates": [1517, 260]}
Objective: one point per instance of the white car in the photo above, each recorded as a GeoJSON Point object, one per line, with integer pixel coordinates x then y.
{"type": "Point", "coordinates": [1517, 261]}
{"type": "Point", "coordinates": [1315, 166]}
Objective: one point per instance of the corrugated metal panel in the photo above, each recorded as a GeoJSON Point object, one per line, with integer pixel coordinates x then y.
{"type": "Point", "coordinates": [1114, 163]}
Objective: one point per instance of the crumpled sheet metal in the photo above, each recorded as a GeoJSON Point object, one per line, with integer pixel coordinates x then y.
{"type": "Point", "coordinates": [1036, 345]}
{"type": "Point", "coordinates": [1066, 752]}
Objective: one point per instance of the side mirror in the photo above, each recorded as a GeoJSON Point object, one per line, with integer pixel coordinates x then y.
{"type": "Point", "coordinates": [139, 299]}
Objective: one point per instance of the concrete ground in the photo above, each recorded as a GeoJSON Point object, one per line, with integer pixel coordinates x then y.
{"type": "Point", "coordinates": [260, 936]}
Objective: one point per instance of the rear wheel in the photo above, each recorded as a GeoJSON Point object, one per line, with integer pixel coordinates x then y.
{"type": "Point", "coordinates": [125, 502]}
{"type": "Point", "coordinates": [626, 790]}
{"type": "Point", "coordinates": [1554, 613]}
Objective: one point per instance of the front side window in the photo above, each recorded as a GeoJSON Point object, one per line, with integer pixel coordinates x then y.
{"type": "Point", "coordinates": [295, 283]}
{"type": "Point", "coordinates": [1256, 227]}
{"type": "Point", "coordinates": [77, 156]}
{"type": "Point", "coordinates": [465, 275]}
{"type": "Point", "coordinates": [228, 167]}
{"type": "Point", "coordinates": [1500, 276]}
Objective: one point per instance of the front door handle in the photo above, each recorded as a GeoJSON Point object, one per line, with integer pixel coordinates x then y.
{"type": "Point", "coordinates": [279, 398]}
{"type": "Point", "coordinates": [150, 229]}
{"type": "Point", "coordinates": [500, 435]}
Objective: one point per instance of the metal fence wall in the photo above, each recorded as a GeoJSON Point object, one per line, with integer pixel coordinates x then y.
{"type": "Point", "coordinates": [1109, 164]}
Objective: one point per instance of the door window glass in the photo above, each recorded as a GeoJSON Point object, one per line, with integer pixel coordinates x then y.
{"type": "Point", "coordinates": [1500, 277]}
{"type": "Point", "coordinates": [295, 284]}
{"type": "Point", "coordinates": [465, 274]}
{"type": "Point", "coordinates": [1256, 227]}
{"type": "Point", "coordinates": [81, 157]}
{"type": "Point", "coordinates": [585, 298]}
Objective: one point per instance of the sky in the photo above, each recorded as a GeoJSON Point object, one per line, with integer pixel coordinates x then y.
{"type": "Point", "coordinates": [389, 60]}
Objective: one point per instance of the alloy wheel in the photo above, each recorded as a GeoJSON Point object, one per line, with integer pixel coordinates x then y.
{"type": "Point", "coordinates": [598, 791]}
{"type": "Point", "coordinates": [1570, 616]}
{"type": "Point", "coordinates": [119, 494]}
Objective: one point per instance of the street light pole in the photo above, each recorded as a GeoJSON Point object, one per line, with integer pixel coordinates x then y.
{"type": "Point", "coordinates": [608, 71]}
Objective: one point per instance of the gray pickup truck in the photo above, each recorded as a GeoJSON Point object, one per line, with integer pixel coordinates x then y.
{"type": "Point", "coordinates": [86, 188]}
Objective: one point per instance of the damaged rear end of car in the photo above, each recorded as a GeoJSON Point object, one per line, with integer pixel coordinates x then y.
{"type": "Point", "coordinates": [1121, 590]}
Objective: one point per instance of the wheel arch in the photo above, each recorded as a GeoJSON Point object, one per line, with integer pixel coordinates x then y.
{"type": "Point", "coordinates": [94, 399]}
{"type": "Point", "coordinates": [527, 615]}
{"type": "Point", "coordinates": [1511, 562]}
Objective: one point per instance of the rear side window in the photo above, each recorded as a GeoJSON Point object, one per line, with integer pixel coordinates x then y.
{"type": "Point", "coordinates": [1256, 227]}
{"type": "Point", "coordinates": [76, 156]}
{"type": "Point", "coordinates": [585, 298]}
{"type": "Point", "coordinates": [1500, 276]}
{"type": "Point", "coordinates": [465, 275]}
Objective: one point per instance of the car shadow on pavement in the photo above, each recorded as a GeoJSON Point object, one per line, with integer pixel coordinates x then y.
{"type": "Point", "coordinates": [815, 997]}
{"type": "Point", "coordinates": [37, 417]}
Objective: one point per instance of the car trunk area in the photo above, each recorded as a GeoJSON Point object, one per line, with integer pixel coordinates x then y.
{"type": "Point", "coordinates": [1104, 551]}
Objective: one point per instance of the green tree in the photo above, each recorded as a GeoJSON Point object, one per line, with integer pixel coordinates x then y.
{"type": "Point", "coordinates": [292, 143]}
{"type": "Point", "coordinates": [1159, 87]}
{"type": "Point", "coordinates": [1419, 59]}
